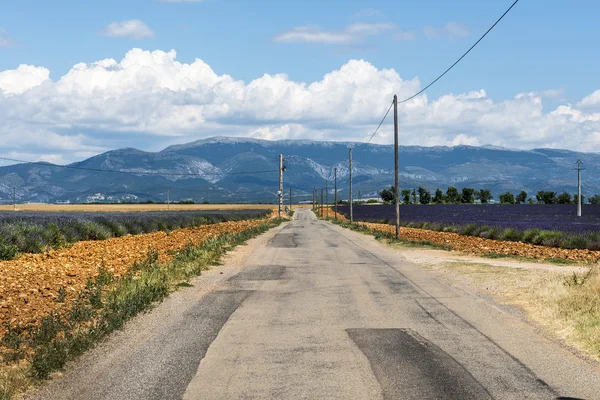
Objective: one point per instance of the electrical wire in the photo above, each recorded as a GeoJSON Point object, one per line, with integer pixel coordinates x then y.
{"type": "Point", "coordinates": [381, 123]}
{"type": "Point", "coordinates": [461, 57]}
{"type": "Point", "coordinates": [446, 71]}
{"type": "Point", "coordinates": [127, 172]}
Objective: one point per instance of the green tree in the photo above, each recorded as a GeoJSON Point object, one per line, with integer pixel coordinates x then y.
{"type": "Point", "coordinates": [424, 195]}
{"type": "Point", "coordinates": [484, 195]}
{"type": "Point", "coordinates": [452, 195]}
{"type": "Point", "coordinates": [545, 197]}
{"type": "Point", "coordinates": [414, 196]}
{"type": "Point", "coordinates": [387, 195]}
{"type": "Point", "coordinates": [439, 197]}
{"type": "Point", "coordinates": [406, 196]}
{"type": "Point", "coordinates": [507, 198]}
{"type": "Point", "coordinates": [468, 195]}
{"type": "Point", "coordinates": [521, 197]}
{"type": "Point", "coordinates": [564, 198]}
{"type": "Point", "coordinates": [575, 199]}
{"type": "Point", "coordinates": [595, 199]}
{"type": "Point", "coordinates": [530, 201]}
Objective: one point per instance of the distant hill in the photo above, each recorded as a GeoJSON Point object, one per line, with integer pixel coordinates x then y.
{"type": "Point", "coordinates": [217, 170]}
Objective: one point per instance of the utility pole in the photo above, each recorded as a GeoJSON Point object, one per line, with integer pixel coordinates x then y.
{"type": "Point", "coordinates": [327, 197]}
{"type": "Point", "coordinates": [280, 192]}
{"type": "Point", "coordinates": [335, 201]}
{"type": "Point", "coordinates": [351, 213]}
{"type": "Point", "coordinates": [579, 169]}
{"type": "Point", "coordinates": [14, 198]}
{"type": "Point", "coordinates": [397, 195]}
{"type": "Point", "coordinates": [290, 197]}
{"type": "Point", "coordinates": [168, 199]}
{"type": "Point", "coordinates": [321, 202]}
{"type": "Point", "coordinates": [359, 197]}
{"type": "Point", "coordinates": [314, 199]}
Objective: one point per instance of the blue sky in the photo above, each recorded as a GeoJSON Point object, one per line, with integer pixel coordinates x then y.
{"type": "Point", "coordinates": [544, 52]}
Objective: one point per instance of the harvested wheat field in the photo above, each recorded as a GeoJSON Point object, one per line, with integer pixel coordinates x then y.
{"type": "Point", "coordinates": [29, 285]}
{"type": "Point", "coordinates": [133, 207]}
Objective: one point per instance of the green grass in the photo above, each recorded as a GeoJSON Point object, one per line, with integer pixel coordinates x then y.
{"type": "Point", "coordinates": [560, 261]}
{"type": "Point", "coordinates": [389, 238]}
{"type": "Point", "coordinates": [104, 306]}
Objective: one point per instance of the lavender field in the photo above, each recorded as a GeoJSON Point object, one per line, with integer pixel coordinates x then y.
{"type": "Point", "coordinates": [550, 217]}
{"type": "Point", "coordinates": [36, 232]}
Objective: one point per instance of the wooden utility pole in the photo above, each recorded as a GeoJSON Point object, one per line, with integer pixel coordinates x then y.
{"type": "Point", "coordinates": [327, 197]}
{"type": "Point", "coordinates": [14, 198]}
{"type": "Point", "coordinates": [168, 199]}
{"type": "Point", "coordinates": [579, 169]}
{"type": "Point", "coordinates": [351, 213]}
{"type": "Point", "coordinates": [321, 202]}
{"type": "Point", "coordinates": [396, 189]}
{"type": "Point", "coordinates": [335, 201]}
{"type": "Point", "coordinates": [290, 197]}
{"type": "Point", "coordinates": [280, 192]}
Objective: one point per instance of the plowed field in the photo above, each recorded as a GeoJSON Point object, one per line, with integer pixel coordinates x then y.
{"type": "Point", "coordinates": [29, 284]}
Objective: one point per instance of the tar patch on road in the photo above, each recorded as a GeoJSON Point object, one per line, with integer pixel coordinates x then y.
{"type": "Point", "coordinates": [283, 240]}
{"type": "Point", "coordinates": [261, 273]}
{"type": "Point", "coordinates": [407, 366]}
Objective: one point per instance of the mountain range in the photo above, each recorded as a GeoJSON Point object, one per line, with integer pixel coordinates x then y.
{"type": "Point", "coordinates": [239, 170]}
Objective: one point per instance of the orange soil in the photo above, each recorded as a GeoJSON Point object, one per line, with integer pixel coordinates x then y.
{"type": "Point", "coordinates": [476, 245]}
{"type": "Point", "coordinates": [29, 284]}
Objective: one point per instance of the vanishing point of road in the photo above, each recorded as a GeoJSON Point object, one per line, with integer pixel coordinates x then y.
{"type": "Point", "coordinates": [320, 312]}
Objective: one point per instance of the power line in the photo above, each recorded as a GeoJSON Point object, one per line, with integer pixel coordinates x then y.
{"type": "Point", "coordinates": [461, 57]}
{"type": "Point", "coordinates": [126, 172]}
{"type": "Point", "coordinates": [446, 71]}
{"type": "Point", "coordinates": [381, 123]}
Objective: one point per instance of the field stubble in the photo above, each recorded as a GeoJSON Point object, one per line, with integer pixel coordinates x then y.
{"type": "Point", "coordinates": [41, 207]}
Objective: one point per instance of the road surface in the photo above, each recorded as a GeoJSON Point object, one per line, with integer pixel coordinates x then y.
{"type": "Point", "coordinates": [320, 312]}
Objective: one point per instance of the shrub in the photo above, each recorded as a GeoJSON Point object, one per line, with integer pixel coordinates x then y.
{"type": "Point", "coordinates": [8, 251]}
{"type": "Point", "coordinates": [511, 235]}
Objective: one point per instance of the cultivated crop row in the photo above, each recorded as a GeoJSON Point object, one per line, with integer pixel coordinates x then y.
{"type": "Point", "coordinates": [35, 232]}
{"type": "Point", "coordinates": [549, 225]}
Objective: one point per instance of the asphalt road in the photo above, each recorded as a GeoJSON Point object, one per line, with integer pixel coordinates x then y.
{"type": "Point", "coordinates": [319, 312]}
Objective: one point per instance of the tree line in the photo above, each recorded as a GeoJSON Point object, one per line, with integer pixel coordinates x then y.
{"type": "Point", "coordinates": [469, 195]}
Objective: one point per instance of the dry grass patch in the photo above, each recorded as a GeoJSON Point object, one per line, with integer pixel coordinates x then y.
{"type": "Point", "coordinates": [13, 380]}
{"type": "Point", "coordinates": [566, 304]}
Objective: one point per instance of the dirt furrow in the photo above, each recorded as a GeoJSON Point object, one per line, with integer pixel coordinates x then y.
{"type": "Point", "coordinates": [29, 285]}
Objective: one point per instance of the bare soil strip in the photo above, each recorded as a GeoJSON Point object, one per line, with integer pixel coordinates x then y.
{"type": "Point", "coordinates": [476, 245]}
{"type": "Point", "coordinates": [30, 284]}
{"type": "Point", "coordinates": [479, 246]}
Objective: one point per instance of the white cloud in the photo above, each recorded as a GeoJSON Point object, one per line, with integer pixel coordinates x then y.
{"type": "Point", "coordinates": [23, 78]}
{"type": "Point", "coordinates": [149, 96]}
{"type": "Point", "coordinates": [451, 30]}
{"type": "Point", "coordinates": [133, 28]}
{"type": "Point", "coordinates": [4, 38]}
{"type": "Point", "coordinates": [353, 33]}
